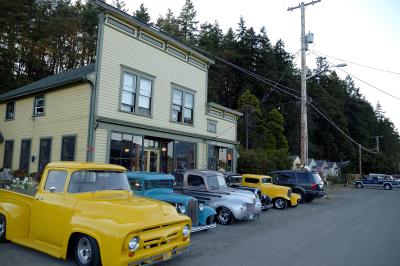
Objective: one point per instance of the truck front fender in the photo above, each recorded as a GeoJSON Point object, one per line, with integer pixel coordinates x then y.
{"type": "Point", "coordinates": [207, 212]}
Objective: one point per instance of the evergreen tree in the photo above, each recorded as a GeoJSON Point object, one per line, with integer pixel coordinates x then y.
{"type": "Point", "coordinates": [275, 138]}
{"type": "Point", "coordinates": [120, 4]}
{"type": "Point", "coordinates": [169, 24]}
{"type": "Point", "coordinates": [188, 23]}
{"type": "Point", "coordinates": [142, 14]}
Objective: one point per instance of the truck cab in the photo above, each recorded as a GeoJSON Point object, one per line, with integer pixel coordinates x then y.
{"type": "Point", "coordinates": [161, 187]}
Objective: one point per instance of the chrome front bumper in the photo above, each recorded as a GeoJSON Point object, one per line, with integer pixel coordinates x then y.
{"type": "Point", "coordinates": [161, 257]}
{"type": "Point", "coordinates": [203, 227]}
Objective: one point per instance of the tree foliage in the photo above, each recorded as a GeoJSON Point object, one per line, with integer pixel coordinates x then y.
{"type": "Point", "coordinates": [43, 37]}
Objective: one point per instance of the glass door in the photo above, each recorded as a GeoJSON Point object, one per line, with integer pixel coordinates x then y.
{"type": "Point", "coordinates": [152, 160]}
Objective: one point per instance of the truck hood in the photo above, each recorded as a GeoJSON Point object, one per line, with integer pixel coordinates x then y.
{"type": "Point", "coordinates": [283, 189]}
{"type": "Point", "coordinates": [244, 195]}
{"type": "Point", "coordinates": [125, 208]}
{"type": "Point", "coordinates": [168, 196]}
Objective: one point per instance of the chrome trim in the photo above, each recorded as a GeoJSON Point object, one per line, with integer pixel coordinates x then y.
{"type": "Point", "coordinates": [159, 258]}
{"type": "Point", "coordinates": [203, 227]}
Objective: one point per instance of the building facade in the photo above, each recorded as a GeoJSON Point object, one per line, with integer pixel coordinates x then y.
{"type": "Point", "coordinates": [143, 105]}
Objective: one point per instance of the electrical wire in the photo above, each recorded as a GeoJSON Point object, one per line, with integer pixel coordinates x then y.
{"type": "Point", "coordinates": [354, 63]}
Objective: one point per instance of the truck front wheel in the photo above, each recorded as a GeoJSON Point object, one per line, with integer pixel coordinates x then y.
{"type": "Point", "coordinates": [2, 228]}
{"type": "Point", "coordinates": [224, 216]}
{"type": "Point", "coordinates": [280, 203]}
{"type": "Point", "coordinates": [86, 251]}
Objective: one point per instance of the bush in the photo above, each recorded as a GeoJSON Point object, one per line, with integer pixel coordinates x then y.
{"type": "Point", "coordinates": [262, 161]}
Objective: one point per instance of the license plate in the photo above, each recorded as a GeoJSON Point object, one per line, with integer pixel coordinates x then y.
{"type": "Point", "coordinates": [167, 256]}
{"type": "Point", "coordinates": [251, 217]}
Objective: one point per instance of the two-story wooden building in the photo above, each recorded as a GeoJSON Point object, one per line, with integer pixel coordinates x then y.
{"type": "Point", "coordinates": [143, 105]}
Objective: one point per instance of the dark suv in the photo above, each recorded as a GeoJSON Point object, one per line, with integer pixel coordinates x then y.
{"type": "Point", "coordinates": [308, 184]}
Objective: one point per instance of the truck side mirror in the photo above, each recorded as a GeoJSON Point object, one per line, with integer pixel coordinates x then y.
{"type": "Point", "coordinates": [52, 189]}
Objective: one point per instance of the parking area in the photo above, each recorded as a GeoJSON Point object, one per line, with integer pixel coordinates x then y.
{"type": "Point", "coordinates": [349, 227]}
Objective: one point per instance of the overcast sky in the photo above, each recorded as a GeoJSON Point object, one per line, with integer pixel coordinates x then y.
{"type": "Point", "coordinates": [366, 32]}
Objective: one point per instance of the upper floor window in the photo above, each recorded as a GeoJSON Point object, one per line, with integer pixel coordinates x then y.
{"type": "Point", "coordinates": [182, 106]}
{"type": "Point", "coordinates": [211, 126]}
{"type": "Point", "coordinates": [136, 93]}
{"type": "Point", "coordinates": [38, 106]}
{"type": "Point", "coordinates": [10, 110]}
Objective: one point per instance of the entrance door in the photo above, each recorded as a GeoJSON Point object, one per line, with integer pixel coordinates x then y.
{"type": "Point", "coordinates": [152, 161]}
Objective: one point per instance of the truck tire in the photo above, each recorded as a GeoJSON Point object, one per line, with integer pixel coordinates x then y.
{"type": "Point", "coordinates": [224, 216]}
{"type": "Point", "coordinates": [387, 186]}
{"type": "Point", "coordinates": [280, 203]}
{"type": "Point", "coordinates": [86, 251]}
{"type": "Point", "coordinates": [359, 185]}
{"type": "Point", "coordinates": [309, 199]}
{"type": "Point", "coordinates": [3, 225]}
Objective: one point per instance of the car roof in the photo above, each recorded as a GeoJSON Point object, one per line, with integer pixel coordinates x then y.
{"type": "Point", "coordinates": [150, 175]}
{"type": "Point", "coordinates": [255, 176]}
{"type": "Point", "coordinates": [86, 166]}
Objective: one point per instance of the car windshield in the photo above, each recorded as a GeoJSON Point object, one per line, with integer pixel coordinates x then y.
{"type": "Point", "coordinates": [317, 178]}
{"type": "Point", "coordinates": [216, 181]}
{"type": "Point", "coordinates": [266, 180]}
{"type": "Point", "coordinates": [236, 179]}
{"type": "Point", "coordinates": [90, 181]}
{"type": "Point", "coordinates": [149, 184]}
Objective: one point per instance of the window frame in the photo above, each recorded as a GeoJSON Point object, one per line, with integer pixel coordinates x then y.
{"type": "Point", "coordinates": [35, 113]}
{"type": "Point", "coordinates": [62, 146]}
{"type": "Point", "coordinates": [209, 121]}
{"type": "Point", "coordinates": [139, 75]}
{"type": "Point", "coordinates": [184, 92]}
{"type": "Point", "coordinates": [50, 154]}
{"type": "Point", "coordinates": [8, 117]}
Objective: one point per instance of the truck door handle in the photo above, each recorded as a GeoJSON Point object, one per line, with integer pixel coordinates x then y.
{"type": "Point", "coordinates": [38, 198]}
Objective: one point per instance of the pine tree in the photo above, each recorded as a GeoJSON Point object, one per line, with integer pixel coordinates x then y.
{"type": "Point", "coordinates": [142, 14]}
{"type": "Point", "coordinates": [275, 138]}
{"type": "Point", "coordinates": [188, 23]}
{"type": "Point", "coordinates": [169, 24]}
{"type": "Point", "coordinates": [120, 4]}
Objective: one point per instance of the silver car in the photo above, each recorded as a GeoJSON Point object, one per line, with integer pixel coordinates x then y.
{"type": "Point", "coordinates": [231, 204]}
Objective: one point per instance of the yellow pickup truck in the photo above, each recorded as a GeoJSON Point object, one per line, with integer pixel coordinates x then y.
{"type": "Point", "coordinates": [281, 196]}
{"type": "Point", "coordinates": [88, 211]}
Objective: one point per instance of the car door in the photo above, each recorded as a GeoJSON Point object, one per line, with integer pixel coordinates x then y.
{"type": "Point", "coordinates": [48, 217]}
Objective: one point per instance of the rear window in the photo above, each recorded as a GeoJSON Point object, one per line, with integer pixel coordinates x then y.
{"type": "Point", "coordinates": [251, 180]}
{"type": "Point", "coordinates": [316, 178]}
{"type": "Point", "coordinates": [303, 178]}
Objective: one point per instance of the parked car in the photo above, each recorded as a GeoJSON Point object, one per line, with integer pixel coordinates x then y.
{"type": "Point", "coordinates": [89, 210]}
{"type": "Point", "coordinates": [161, 187]}
{"type": "Point", "coordinates": [281, 196]}
{"type": "Point", "coordinates": [306, 183]}
{"type": "Point", "coordinates": [234, 180]}
{"type": "Point", "coordinates": [377, 181]}
{"type": "Point", "coordinates": [209, 187]}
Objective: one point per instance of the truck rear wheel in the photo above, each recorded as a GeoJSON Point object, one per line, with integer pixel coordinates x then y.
{"type": "Point", "coordinates": [86, 251]}
{"type": "Point", "coordinates": [2, 228]}
{"type": "Point", "coordinates": [387, 187]}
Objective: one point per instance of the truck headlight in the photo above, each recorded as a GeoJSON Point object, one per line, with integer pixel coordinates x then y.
{"type": "Point", "coordinates": [201, 207]}
{"type": "Point", "coordinates": [133, 243]}
{"type": "Point", "coordinates": [258, 203]}
{"type": "Point", "coordinates": [243, 208]}
{"type": "Point", "coordinates": [180, 208]}
{"type": "Point", "coordinates": [186, 231]}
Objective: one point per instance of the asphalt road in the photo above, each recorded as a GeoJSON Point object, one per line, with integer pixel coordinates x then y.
{"type": "Point", "coordinates": [350, 227]}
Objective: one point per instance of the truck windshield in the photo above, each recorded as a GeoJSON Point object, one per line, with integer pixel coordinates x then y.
{"type": "Point", "coordinates": [149, 184]}
{"type": "Point", "coordinates": [90, 181]}
{"type": "Point", "coordinates": [216, 181]}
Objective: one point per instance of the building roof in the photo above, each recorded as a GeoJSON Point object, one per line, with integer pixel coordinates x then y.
{"type": "Point", "coordinates": [330, 164]}
{"type": "Point", "coordinates": [153, 30]}
{"type": "Point", "coordinates": [49, 82]}
{"type": "Point", "coordinates": [225, 109]}
{"type": "Point", "coordinates": [319, 162]}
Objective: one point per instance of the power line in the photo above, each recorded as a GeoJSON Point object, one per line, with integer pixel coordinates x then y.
{"type": "Point", "coordinates": [358, 64]}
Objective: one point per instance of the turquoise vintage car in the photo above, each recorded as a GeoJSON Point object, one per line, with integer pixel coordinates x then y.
{"type": "Point", "coordinates": [161, 187]}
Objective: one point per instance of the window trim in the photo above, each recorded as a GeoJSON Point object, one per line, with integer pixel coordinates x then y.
{"type": "Point", "coordinates": [29, 156]}
{"type": "Point", "coordinates": [121, 26]}
{"type": "Point", "coordinates": [177, 53]}
{"type": "Point", "coordinates": [138, 74]}
{"type": "Point", "coordinates": [75, 146]}
{"type": "Point", "coordinates": [197, 63]}
{"type": "Point", "coordinates": [7, 118]}
{"type": "Point", "coordinates": [12, 152]}
{"type": "Point", "coordinates": [213, 122]}
{"type": "Point", "coordinates": [34, 105]}
{"type": "Point", "coordinates": [150, 39]}
{"type": "Point", "coordinates": [184, 91]}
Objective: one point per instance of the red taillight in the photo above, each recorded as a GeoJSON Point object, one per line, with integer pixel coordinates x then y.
{"type": "Point", "coordinates": [314, 186]}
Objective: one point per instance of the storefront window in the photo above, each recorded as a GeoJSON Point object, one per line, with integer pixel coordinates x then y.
{"type": "Point", "coordinates": [220, 158]}
{"type": "Point", "coordinates": [126, 150]}
{"type": "Point", "coordinates": [184, 157]}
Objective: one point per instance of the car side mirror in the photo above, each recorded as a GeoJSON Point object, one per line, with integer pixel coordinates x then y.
{"type": "Point", "coordinates": [52, 189]}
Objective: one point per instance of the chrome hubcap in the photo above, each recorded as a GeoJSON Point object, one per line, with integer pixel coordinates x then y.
{"type": "Point", "coordinates": [84, 250]}
{"type": "Point", "coordinates": [224, 215]}
{"type": "Point", "coordinates": [279, 203]}
{"type": "Point", "coordinates": [2, 227]}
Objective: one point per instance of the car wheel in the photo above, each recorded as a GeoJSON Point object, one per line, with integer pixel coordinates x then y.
{"type": "Point", "coordinates": [359, 185]}
{"type": "Point", "coordinates": [2, 228]}
{"type": "Point", "coordinates": [87, 252]}
{"type": "Point", "coordinates": [224, 216]}
{"type": "Point", "coordinates": [280, 203]}
{"type": "Point", "coordinates": [387, 187]}
{"type": "Point", "coordinates": [309, 199]}
{"type": "Point", "coordinates": [301, 193]}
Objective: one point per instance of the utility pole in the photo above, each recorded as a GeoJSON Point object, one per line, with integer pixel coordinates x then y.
{"type": "Point", "coordinates": [359, 159]}
{"type": "Point", "coordinates": [303, 115]}
{"type": "Point", "coordinates": [377, 142]}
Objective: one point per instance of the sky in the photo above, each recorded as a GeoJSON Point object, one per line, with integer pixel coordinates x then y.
{"type": "Point", "coordinates": [365, 32]}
